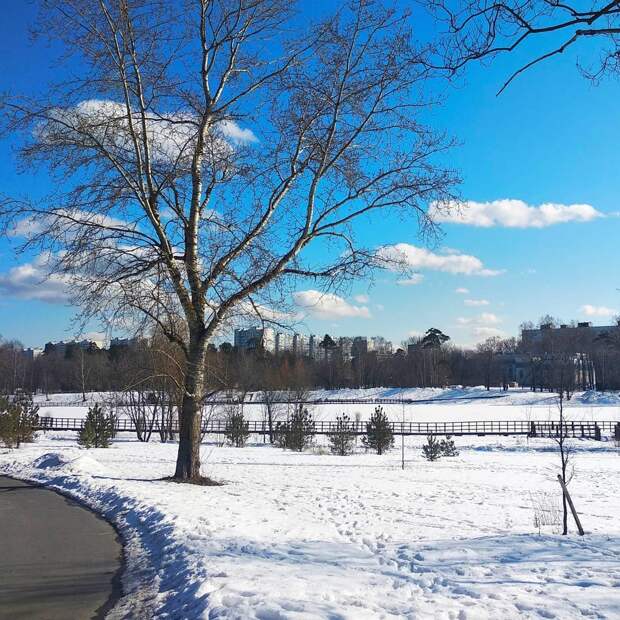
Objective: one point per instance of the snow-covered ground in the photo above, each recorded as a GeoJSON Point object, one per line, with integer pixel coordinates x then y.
{"type": "Point", "coordinates": [313, 535]}
{"type": "Point", "coordinates": [446, 404]}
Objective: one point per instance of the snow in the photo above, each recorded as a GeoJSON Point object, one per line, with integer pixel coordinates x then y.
{"type": "Point", "coordinates": [313, 535]}
{"type": "Point", "coordinates": [447, 404]}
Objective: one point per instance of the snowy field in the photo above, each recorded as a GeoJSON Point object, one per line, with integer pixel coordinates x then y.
{"type": "Point", "coordinates": [436, 404]}
{"type": "Point", "coordinates": [312, 535]}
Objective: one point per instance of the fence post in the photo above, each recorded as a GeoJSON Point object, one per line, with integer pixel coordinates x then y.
{"type": "Point", "coordinates": [597, 432]}
{"type": "Point", "coordinates": [532, 429]}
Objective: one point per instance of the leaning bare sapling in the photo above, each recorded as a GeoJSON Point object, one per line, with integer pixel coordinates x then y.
{"type": "Point", "coordinates": [564, 445]}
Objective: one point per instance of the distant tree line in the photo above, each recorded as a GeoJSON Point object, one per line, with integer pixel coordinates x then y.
{"type": "Point", "coordinates": [427, 361]}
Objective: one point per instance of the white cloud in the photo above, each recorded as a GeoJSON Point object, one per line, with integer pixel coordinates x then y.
{"type": "Point", "coordinates": [511, 213]}
{"type": "Point", "coordinates": [602, 311]}
{"type": "Point", "coordinates": [416, 278]}
{"type": "Point", "coordinates": [380, 307]}
{"type": "Point", "coordinates": [362, 299]}
{"type": "Point", "coordinates": [233, 132]}
{"type": "Point", "coordinates": [484, 319]}
{"type": "Point", "coordinates": [407, 256]}
{"type": "Point", "coordinates": [476, 302]}
{"type": "Point", "coordinates": [328, 305]}
{"type": "Point", "coordinates": [461, 291]}
{"type": "Point", "coordinates": [482, 333]}
{"type": "Point", "coordinates": [31, 281]}
{"type": "Point", "coordinates": [171, 137]}
{"type": "Point", "coordinates": [98, 337]}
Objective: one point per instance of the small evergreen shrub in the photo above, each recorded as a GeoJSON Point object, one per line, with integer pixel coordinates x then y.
{"type": "Point", "coordinates": [447, 447]}
{"type": "Point", "coordinates": [237, 428]}
{"type": "Point", "coordinates": [379, 435]}
{"type": "Point", "coordinates": [342, 440]}
{"type": "Point", "coordinates": [98, 430]}
{"type": "Point", "coordinates": [432, 449]}
{"type": "Point", "coordinates": [18, 418]}
{"type": "Point", "coordinates": [297, 433]}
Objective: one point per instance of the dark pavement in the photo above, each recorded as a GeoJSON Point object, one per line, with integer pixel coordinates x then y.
{"type": "Point", "coordinates": [58, 560]}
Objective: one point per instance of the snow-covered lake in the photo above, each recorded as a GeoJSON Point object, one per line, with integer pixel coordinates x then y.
{"type": "Point", "coordinates": [447, 404]}
{"type": "Point", "coordinates": [312, 535]}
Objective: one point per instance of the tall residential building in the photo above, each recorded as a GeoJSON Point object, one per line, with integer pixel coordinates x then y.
{"type": "Point", "coordinates": [284, 342]}
{"type": "Point", "coordinates": [255, 337]}
{"type": "Point", "coordinates": [345, 344]}
{"type": "Point", "coordinates": [379, 345]}
{"type": "Point", "coordinates": [32, 354]}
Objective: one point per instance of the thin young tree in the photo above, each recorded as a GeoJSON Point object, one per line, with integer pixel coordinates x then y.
{"type": "Point", "coordinates": [562, 441]}
{"type": "Point", "coordinates": [199, 149]}
{"type": "Point", "coordinates": [272, 403]}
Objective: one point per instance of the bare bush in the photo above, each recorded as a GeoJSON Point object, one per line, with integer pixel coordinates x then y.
{"type": "Point", "coordinates": [547, 511]}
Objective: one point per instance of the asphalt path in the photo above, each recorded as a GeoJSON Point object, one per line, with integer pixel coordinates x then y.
{"type": "Point", "coordinates": [58, 560]}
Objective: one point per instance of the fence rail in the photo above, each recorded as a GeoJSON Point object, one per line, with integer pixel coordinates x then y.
{"type": "Point", "coordinates": [479, 427]}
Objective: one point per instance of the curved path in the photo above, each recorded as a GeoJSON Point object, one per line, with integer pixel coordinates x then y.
{"type": "Point", "coordinates": [58, 560]}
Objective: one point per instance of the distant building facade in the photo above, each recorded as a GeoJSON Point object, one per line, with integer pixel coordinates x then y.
{"type": "Point", "coordinates": [569, 338]}
{"type": "Point", "coordinates": [255, 338]}
{"type": "Point", "coordinates": [309, 346]}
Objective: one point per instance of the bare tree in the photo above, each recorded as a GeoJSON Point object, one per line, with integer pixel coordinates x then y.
{"type": "Point", "coordinates": [274, 408]}
{"type": "Point", "coordinates": [564, 447]}
{"type": "Point", "coordinates": [141, 408]}
{"type": "Point", "coordinates": [204, 147]}
{"type": "Point", "coordinates": [481, 29]}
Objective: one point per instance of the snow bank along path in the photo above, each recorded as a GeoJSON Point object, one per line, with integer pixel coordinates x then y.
{"type": "Point", "coordinates": [311, 535]}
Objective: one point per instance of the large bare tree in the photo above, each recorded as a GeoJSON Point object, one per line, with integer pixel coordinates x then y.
{"type": "Point", "coordinates": [207, 155]}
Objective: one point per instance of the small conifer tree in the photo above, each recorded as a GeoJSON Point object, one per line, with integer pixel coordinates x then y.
{"type": "Point", "coordinates": [99, 428]}
{"type": "Point", "coordinates": [237, 428]}
{"type": "Point", "coordinates": [297, 432]}
{"type": "Point", "coordinates": [379, 434]}
{"type": "Point", "coordinates": [341, 441]}
{"type": "Point", "coordinates": [18, 419]}
{"type": "Point", "coordinates": [447, 447]}
{"type": "Point", "coordinates": [432, 449]}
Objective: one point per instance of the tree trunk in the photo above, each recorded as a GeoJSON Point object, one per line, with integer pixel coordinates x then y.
{"type": "Point", "coordinates": [190, 418]}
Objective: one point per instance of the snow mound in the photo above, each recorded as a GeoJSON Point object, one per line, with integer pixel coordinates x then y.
{"type": "Point", "coordinates": [51, 460]}
{"type": "Point", "coordinates": [84, 464]}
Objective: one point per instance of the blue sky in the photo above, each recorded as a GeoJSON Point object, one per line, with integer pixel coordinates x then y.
{"type": "Point", "coordinates": [550, 138]}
